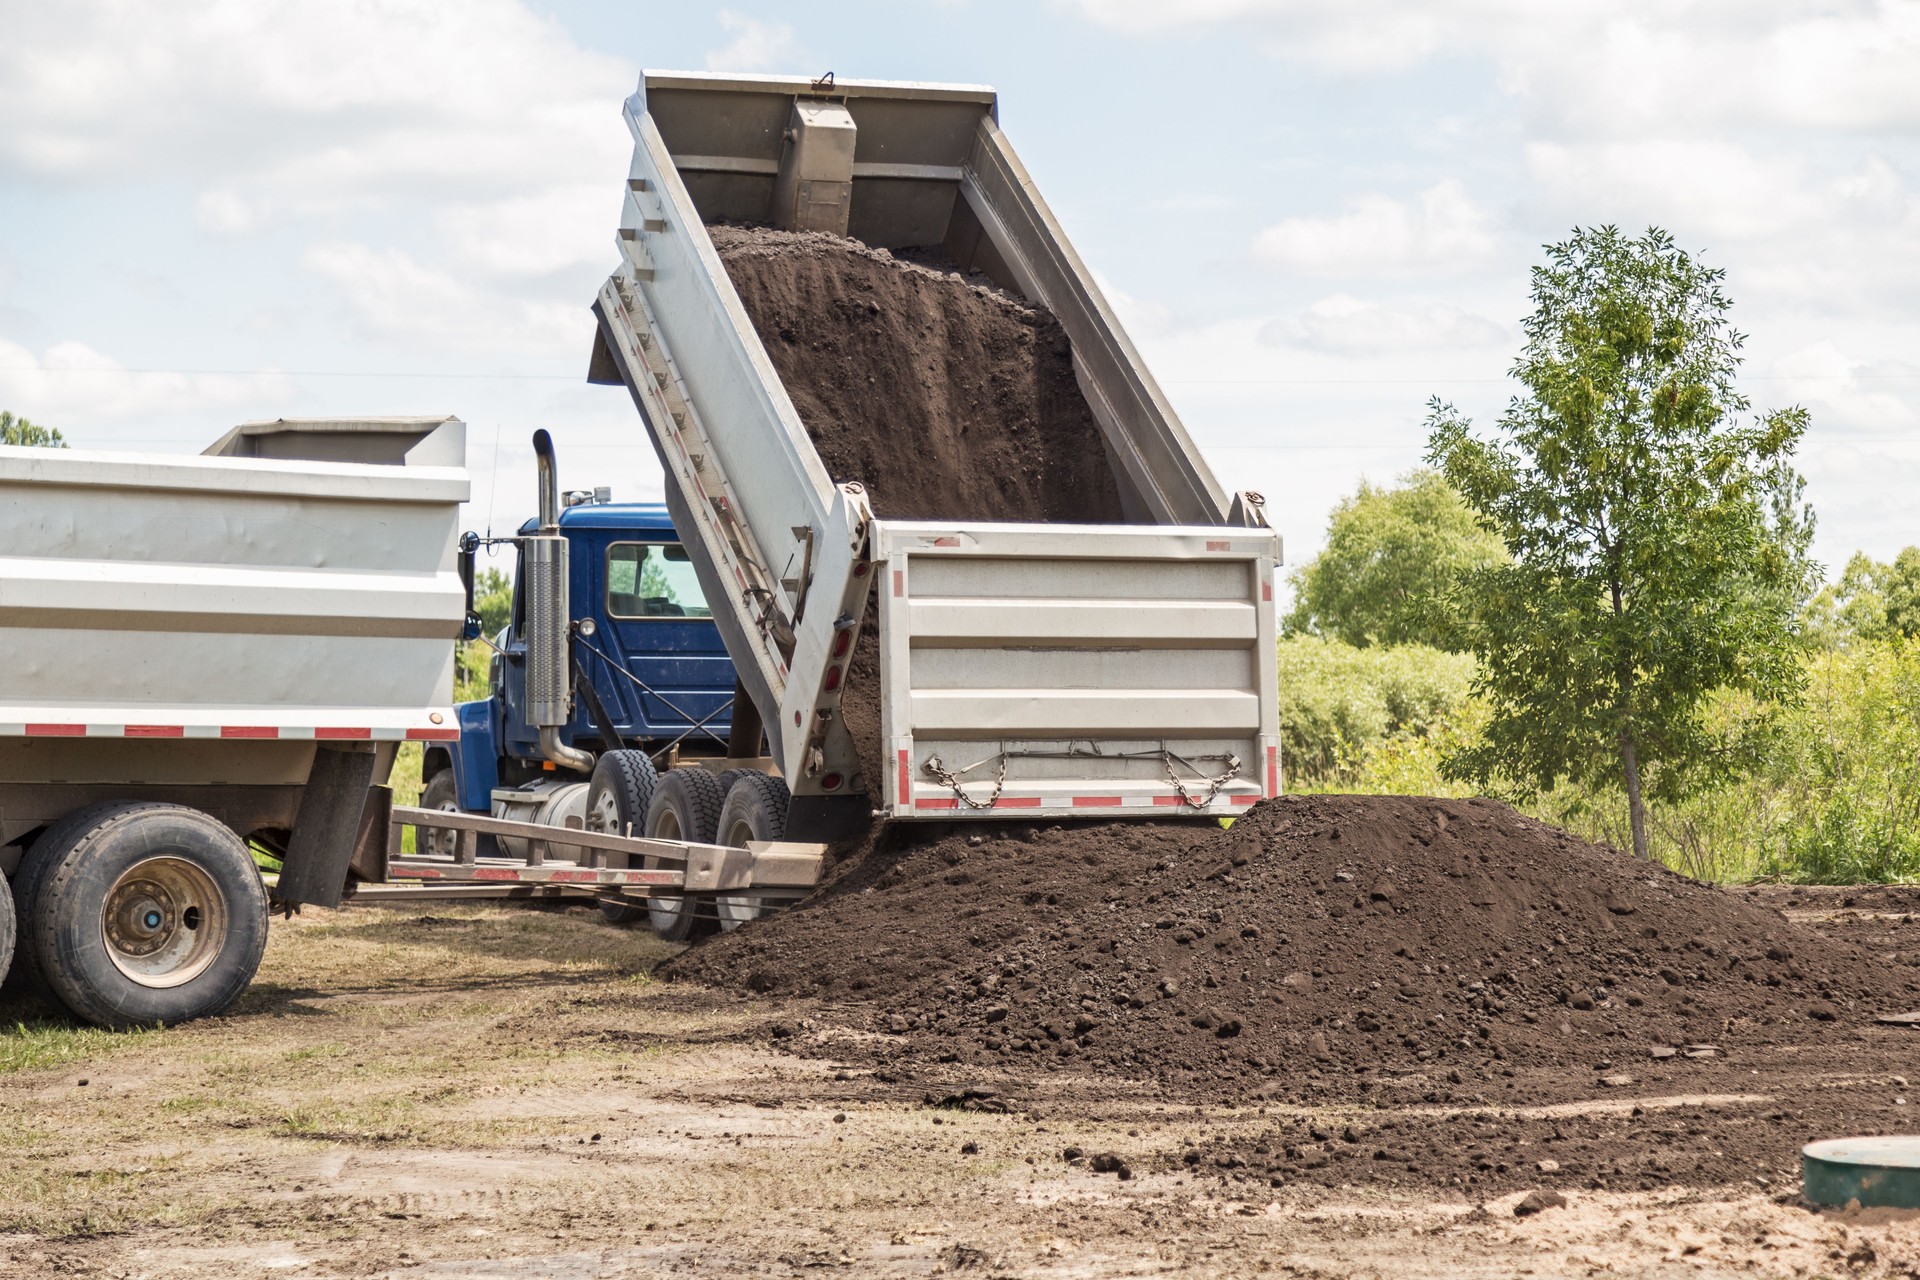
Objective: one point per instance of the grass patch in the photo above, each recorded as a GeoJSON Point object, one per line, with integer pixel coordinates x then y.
{"type": "Point", "coordinates": [38, 1046]}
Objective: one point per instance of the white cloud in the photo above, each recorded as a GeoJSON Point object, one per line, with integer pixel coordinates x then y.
{"type": "Point", "coordinates": [1345, 325]}
{"type": "Point", "coordinates": [350, 126]}
{"type": "Point", "coordinates": [72, 383]}
{"type": "Point", "coordinates": [312, 101]}
{"type": "Point", "coordinates": [391, 295]}
{"type": "Point", "coordinates": [1618, 67]}
{"type": "Point", "coordinates": [756, 45]}
{"type": "Point", "coordinates": [1440, 231]}
{"type": "Point", "coordinates": [537, 233]}
{"type": "Point", "coordinates": [1138, 316]}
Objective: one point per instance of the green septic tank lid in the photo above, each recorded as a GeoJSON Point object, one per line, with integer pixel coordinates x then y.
{"type": "Point", "coordinates": [1878, 1172]}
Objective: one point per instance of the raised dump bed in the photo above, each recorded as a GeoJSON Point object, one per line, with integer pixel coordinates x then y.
{"type": "Point", "coordinates": [1043, 669]}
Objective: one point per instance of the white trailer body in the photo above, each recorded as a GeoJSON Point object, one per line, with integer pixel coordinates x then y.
{"type": "Point", "coordinates": [171, 622]}
{"type": "Point", "coordinates": [1037, 670]}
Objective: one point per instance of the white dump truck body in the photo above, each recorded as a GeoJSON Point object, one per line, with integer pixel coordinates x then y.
{"type": "Point", "coordinates": [229, 598]}
{"type": "Point", "coordinates": [1027, 670]}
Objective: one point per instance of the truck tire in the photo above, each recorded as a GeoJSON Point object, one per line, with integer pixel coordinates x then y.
{"type": "Point", "coordinates": [756, 809]}
{"type": "Point", "coordinates": [43, 852]}
{"type": "Point", "coordinates": [6, 929]}
{"type": "Point", "coordinates": [153, 913]}
{"type": "Point", "coordinates": [617, 801]}
{"type": "Point", "coordinates": [443, 794]}
{"type": "Point", "coordinates": [686, 806]}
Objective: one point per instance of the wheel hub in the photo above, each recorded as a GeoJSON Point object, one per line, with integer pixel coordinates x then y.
{"type": "Point", "coordinates": [163, 922]}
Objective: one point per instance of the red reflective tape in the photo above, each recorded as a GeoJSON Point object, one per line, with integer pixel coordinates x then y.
{"type": "Point", "coordinates": [1180, 801]}
{"type": "Point", "coordinates": [1246, 799]}
{"type": "Point", "coordinates": [899, 583]}
{"type": "Point", "coordinates": [906, 780]}
{"type": "Point", "coordinates": [946, 542]}
{"type": "Point", "coordinates": [1266, 589]}
{"type": "Point", "coordinates": [56, 731]}
{"type": "Point", "coordinates": [1018, 802]}
{"type": "Point", "coordinates": [936, 804]}
{"type": "Point", "coordinates": [495, 873]}
{"type": "Point", "coordinates": [1096, 802]}
{"type": "Point", "coordinates": [1273, 771]}
{"type": "Point", "coordinates": [1219, 546]}
{"type": "Point", "coordinates": [418, 873]}
{"type": "Point", "coordinates": [343, 733]}
{"type": "Point", "coordinates": [576, 877]}
{"type": "Point", "coordinates": [249, 731]}
{"type": "Point", "coordinates": [156, 731]}
{"type": "Point", "coordinates": [433, 735]}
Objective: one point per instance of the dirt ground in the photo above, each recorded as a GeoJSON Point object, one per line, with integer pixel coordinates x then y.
{"type": "Point", "coordinates": [453, 1091]}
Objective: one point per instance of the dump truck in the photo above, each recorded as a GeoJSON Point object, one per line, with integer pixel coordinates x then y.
{"type": "Point", "coordinates": [1032, 671]}
{"type": "Point", "coordinates": [216, 655]}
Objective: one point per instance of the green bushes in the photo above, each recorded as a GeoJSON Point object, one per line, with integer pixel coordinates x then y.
{"type": "Point", "coordinates": [1339, 705]}
{"type": "Point", "coordinates": [1836, 801]}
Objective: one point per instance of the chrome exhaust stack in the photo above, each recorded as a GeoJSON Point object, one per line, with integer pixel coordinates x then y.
{"type": "Point", "coordinates": [543, 570]}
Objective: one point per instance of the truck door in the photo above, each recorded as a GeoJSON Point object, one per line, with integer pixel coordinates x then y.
{"type": "Point", "coordinates": [516, 737]}
{"type": "Point", "coordinates": [660, 629]}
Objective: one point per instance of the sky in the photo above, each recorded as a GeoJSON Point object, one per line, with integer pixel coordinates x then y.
{"type": "Point", "coordinates": [1312, 218]}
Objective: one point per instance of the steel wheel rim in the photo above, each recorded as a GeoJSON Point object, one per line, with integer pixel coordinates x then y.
{"type": "Point", "coordinates": [665, 909]}
{"type": "Point", "coordinates": [164, 922]}
{"type": "Point", "coordinates": [735, 911]}
{"type": "Point", "coordinates": [444, 843]}
{"type": "Point", "coordinates": [603, 815]}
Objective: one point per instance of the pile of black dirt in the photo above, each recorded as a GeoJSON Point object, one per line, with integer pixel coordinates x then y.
{"type": "Point", "coordinates": [1320, 939]}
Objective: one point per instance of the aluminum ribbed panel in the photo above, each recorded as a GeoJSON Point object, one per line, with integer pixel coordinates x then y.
{"type": "Point", "coordinates": [1076, 669]}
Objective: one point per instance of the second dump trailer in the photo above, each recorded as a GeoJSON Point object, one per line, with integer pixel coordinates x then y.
{"type": "Point", "coordinates": [1032, 670]}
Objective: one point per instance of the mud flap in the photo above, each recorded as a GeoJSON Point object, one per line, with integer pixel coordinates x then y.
{"type": "Point", "coordinates": [326, 828]}
{"type": "Point", "coordinates": [828, 819]}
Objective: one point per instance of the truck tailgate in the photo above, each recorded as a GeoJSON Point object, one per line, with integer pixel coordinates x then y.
{"type": "Point", "coordinates": [1076, 670]}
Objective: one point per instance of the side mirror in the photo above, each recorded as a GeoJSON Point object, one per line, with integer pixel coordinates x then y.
{"type": "Point", "coordinates": [469, 544]}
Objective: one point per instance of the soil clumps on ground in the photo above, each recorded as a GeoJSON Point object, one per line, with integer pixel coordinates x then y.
{"type": "Point", "coordinates": [948, 398]}
{"type": "Point", "coordinates": [1321, 944]}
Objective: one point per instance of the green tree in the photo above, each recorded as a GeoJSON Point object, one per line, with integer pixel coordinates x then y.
{"type": "Point", "coordinates": [1660, 547]}
{"type": "Point", "coordinates": [492, 600]}
{"type": "Point", "coordinates": [1869, 603]}
{"type": "Point", "coordinates": [20, 431]}
{"type": "Point", "coordinates": [1392, 559]}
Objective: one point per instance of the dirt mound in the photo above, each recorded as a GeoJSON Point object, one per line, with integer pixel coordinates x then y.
{"type": "Point", "coordinates": [1319, 940]}
{"type": "Point", "coordinates": [946, 397]}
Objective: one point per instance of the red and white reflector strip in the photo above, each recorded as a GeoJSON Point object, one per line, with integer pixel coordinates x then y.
{"type": "Point", "coordinates": [254, 732]}
{"type": "Point", "coordinates": [1066, 803]}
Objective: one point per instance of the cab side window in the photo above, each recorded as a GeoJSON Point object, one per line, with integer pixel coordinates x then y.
{"type": "Point", "coordinates": [652, 580]}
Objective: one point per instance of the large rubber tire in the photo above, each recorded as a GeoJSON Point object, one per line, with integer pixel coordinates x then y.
{"type": "Point", "coordinates": [686, 806]}
{"type": "Point", "coordinates": [617, 799]}
{"type": "Point", "coordinates": [756, 809]}
{"type": "Point", "coordinates": [154, 914]}
{"type": "Point", "coordinates": [7, 928]}
{"type": "Point", "coordinates": [442, 793]}
{"type": "Point", "coordinates": [45, 850]}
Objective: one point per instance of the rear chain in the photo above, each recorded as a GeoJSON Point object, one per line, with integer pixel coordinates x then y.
{"type": "Point", "coordinates": [941, 774]}
{"type": "Point", "coordinates": [1213, 784]}
{"type": "Point", "coordinates": [946, 777]}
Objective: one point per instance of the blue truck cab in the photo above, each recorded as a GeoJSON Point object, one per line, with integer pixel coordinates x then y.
{"type": "Point", "coordinates": [653, 671]}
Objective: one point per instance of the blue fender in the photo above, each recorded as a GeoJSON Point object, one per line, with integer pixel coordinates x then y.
{"type": "Point", "coordinates": [475, 757]}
